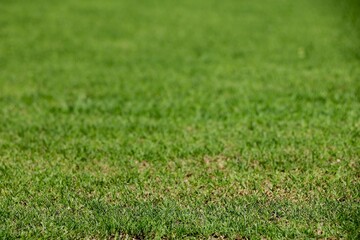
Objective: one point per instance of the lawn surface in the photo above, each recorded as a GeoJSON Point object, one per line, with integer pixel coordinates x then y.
{"type": "Point", "coordinates": [179, 119]}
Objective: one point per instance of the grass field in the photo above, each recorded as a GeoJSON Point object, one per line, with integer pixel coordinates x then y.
{"type": "Point", "coordinates": [191, 119]}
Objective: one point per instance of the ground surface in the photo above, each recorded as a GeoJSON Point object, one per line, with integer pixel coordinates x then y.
{"type": "Point", "coordinates": [179, 119]}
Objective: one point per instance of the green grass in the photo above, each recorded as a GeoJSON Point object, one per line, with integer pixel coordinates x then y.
{"type": "Point", "coordinates": [179, 119]}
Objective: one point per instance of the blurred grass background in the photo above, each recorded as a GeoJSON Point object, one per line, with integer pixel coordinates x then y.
{"type": "Point", "coordinates": [190, 119]}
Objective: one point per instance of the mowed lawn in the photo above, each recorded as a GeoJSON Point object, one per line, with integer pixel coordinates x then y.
{"type": "Point", "coordinates": [191, 119]}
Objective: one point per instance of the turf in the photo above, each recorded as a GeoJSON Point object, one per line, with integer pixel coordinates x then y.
{"type": "Point", "coordinates": [179, 119]}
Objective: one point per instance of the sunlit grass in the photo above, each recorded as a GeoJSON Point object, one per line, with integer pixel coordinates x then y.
{"type": "Point", "coordinates": [179, 119]}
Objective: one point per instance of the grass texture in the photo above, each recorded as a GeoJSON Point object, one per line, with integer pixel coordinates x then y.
{"type": "Point", "coordinates": [191, 119]}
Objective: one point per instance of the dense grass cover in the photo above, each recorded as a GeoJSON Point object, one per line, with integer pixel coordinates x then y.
{"type": "Point", "coordinates": [179, 119]}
